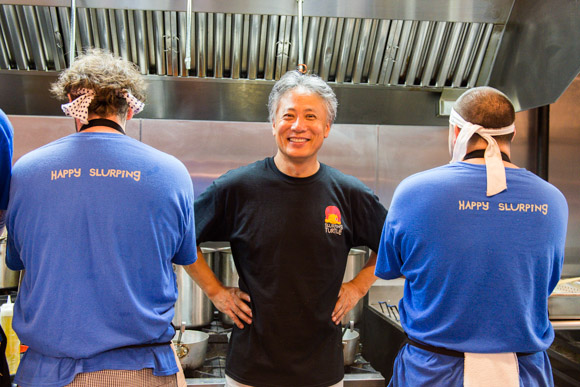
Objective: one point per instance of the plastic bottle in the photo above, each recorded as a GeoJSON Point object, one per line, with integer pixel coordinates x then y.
{"type": "Point", "coordinates": [13, 343]}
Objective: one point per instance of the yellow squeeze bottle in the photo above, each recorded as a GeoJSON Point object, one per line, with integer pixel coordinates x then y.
{"type": "Point", "coordinates": [12, 342]}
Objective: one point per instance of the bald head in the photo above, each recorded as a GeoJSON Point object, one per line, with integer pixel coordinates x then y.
{"type": "Point", "coordinates": [487, 107]}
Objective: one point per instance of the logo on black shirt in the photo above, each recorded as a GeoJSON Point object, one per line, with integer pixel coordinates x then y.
{"type": "Point", "coordinates": [332, 220]}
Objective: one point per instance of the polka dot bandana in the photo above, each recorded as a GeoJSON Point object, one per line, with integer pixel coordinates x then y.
{"type": "Point", "coordinates": [79, 108]}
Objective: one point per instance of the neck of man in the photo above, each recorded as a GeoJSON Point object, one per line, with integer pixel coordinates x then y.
{"type": "Point", "coordinates": [482, 145]}
{"type": "Point", "coordinates": [102, 129]}
{"type": "Point", "coordinates": [295, 168]}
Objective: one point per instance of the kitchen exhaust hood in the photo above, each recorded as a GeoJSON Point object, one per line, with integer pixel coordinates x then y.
{"type": "Point", "coordinates": [390, 62]}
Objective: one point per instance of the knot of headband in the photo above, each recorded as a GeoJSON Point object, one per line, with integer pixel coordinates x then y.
{"type": "Point", "coordinates": [495, 170]}
{"type": "Point", "coordinates": [79, 108]}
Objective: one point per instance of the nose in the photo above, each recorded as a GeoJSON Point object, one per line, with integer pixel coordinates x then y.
{"type": "Point", "coordinates": [299, 125]}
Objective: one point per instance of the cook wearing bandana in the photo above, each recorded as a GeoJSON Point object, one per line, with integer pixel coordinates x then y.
{"type": "Point", "coordinates": [97, 219]}
{"type": "Point", "coordinates": [480, 243]}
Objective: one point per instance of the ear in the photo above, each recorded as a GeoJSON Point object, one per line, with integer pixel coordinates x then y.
{"type": "Point", "coordinates": [69, 98]}
{"type": "Point", "coordinates": [456, 131]}
{"type": "Point", "coordinates": [327, 130]}
{"type": "Point", "coordinates": [129, 114]}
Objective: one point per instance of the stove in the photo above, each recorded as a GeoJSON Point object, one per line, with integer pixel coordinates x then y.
{"type": "Point", "coordinates": [212, 372]}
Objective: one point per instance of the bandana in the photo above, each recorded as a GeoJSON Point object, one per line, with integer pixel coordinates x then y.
{"type": "Point", "coordinates": [496, 181]}
{"type": "Point", "coordinates": [79, 108]}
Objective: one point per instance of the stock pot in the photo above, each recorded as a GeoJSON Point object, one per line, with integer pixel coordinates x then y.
{"type": "Point", "coordinates": [192, 307]}
{"type": "Point", "coordinates": [354, 264]}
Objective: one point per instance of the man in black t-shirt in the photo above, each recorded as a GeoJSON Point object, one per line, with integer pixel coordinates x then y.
{"type": "Point", "coordinates": [291, 222]}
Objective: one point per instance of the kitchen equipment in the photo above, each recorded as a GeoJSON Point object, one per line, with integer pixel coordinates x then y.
{"type": "Point", "coordinates": [8, 278]}
{"type": "Point", "coordinates": [350, 340]}
{"type": "Point", "coordinates": [229, 276]}
{"type": "Point", "coordinates": [192, 349]}
{"type": "Point", "coordinates": [564, 302]}
{"type": "Point", "coordinates": [354, 264]}
{"type": "Point", "coordinates": [192, 305]}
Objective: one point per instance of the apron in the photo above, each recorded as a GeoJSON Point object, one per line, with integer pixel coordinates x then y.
{"type": "Point", "coordinates": [483, 369]}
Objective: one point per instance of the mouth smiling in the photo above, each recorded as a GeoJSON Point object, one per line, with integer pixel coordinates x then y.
{"type": "Point", "coordinates": [298, 139]}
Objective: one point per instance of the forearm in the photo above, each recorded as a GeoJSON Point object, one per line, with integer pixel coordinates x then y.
{"type": "Point", "coordinates": [205, 278]}
{"type": "Point", "coordinates": [366, 277]}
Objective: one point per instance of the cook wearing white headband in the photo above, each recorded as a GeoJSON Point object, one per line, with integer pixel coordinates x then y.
{"type": "Point", "coordinates": [478, 269]}
{"type": "Point", "coordinates": [461, 131]}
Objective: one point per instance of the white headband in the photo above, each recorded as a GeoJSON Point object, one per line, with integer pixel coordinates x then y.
{"type": "Point", "coordinates": [79, 108]}
{"type": "Point", "coordinates": [496, 181]}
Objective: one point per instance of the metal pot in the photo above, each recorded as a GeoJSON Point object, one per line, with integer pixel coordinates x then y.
{"type": "Point", "coordinates": [192, 307]}
{"type": "Point", "coordinates": [350, 339]}
{"type": "Point", "coordinates": [191, 349]}
{"type": "Point", "coordinates": [8, 278]}
{"type": "Point", "coordinates": [356, 261]}
{"type": "Point", "coordinates": [228, 276]}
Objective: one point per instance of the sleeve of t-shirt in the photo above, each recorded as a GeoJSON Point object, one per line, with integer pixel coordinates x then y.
{"type": "Point", "coordinates": [211, 218]}
{"type": "Point", "coordinates": [6, 134]}
{"type": "Point", "coordinates": [187, 252]}
{"type": "Point", "coordinates": [370, 216]}
{"type": "Point", "coordinates": [13, 260]}
{"type": "Point", "coordinates": [388, 257]}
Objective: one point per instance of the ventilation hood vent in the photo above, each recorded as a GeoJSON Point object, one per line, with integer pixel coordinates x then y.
{"type": "Point", "coordinates": [386, 63]}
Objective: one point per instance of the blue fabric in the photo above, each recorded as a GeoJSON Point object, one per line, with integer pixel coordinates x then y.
{"type": "Point", "coordinates": [97, 219]}
{"type": "Point", "coordinates": [36, 369]}
{"type": "Point", "coordinates": [6, 135]}
{"type": "Point", "coordinates": [478, 269]}
{"type": "Point", "coordinates": [417, 367]}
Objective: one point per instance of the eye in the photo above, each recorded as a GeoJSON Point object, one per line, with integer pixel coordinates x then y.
{"type": "Point", "coordinates": [287, 116]}
{"type": "Point", "coordinates": [311, 116]}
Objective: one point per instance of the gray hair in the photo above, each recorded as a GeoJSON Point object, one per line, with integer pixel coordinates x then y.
{"type": "Point", "coordinates": [313, 83]}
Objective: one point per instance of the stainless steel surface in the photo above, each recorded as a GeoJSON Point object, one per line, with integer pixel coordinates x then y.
{"type": "Point", "coordinates": [350, 341]}
{"type": "Point", "coordinates": [192, 307]}
{"type": "Point", "coordinates": [566, 325]}
{"type": "Point", "coordinates": [564, 302]}
{"type": "Point", "coordinates": [373, 45]}
{"type": "Point", "coordinates": [192, 349]}
{"type": "Point", "coordinates": [355, 262]}
{"type": "Point", "coordinates": [546, 27]}
{"type": "Point", "coordinates": [493, 11]}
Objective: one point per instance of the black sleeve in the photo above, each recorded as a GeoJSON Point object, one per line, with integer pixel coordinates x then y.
{"type": "Point", "coordinates": [369, 218]}
{"type": "Point", "coordinates": [211, 223]}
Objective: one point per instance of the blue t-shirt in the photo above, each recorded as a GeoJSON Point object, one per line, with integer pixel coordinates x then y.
{"type": "Point", "coordinates": [97, 220]}
{"type": "Point", "coordinates": [6, 134]}
{"type": "Point", "coordinates": [478, 269]}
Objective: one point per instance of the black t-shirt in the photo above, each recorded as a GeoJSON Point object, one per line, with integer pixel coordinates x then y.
{"type": "Point", "coordinates": [290, 238]}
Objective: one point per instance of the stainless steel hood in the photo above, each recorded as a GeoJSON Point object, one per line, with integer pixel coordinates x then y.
{"type": "Point", "coordinates": [390, 62]}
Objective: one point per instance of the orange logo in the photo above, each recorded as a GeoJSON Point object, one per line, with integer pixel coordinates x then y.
{"type": "Point", "coordinates": [332, 215]}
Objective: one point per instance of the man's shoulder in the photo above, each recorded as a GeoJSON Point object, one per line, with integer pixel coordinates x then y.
{"type": "Point", "coordinates": [244, 173]}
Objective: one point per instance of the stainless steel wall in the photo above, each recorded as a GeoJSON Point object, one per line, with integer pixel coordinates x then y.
{"type": "Point", "coordinates": [379, 155]}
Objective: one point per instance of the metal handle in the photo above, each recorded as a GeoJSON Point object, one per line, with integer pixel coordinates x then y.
{"type": "Point", "coordinates": [301, 65]}
{"type": "Point", "coordinates": [188, 36]}
{"type": "Point", "coordinates": [73, 33]}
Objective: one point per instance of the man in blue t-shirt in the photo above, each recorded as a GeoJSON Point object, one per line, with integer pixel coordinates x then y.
{"type": "Point", "coordinates": [6, 134]}
{"type": "Point", "coordinates": [97, 219]}
{"type": "Point", "coordinates": [480, 243]}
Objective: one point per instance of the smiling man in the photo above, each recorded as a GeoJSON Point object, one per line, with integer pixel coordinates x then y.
{"type": "Point", "coordinates": [291, 222]}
